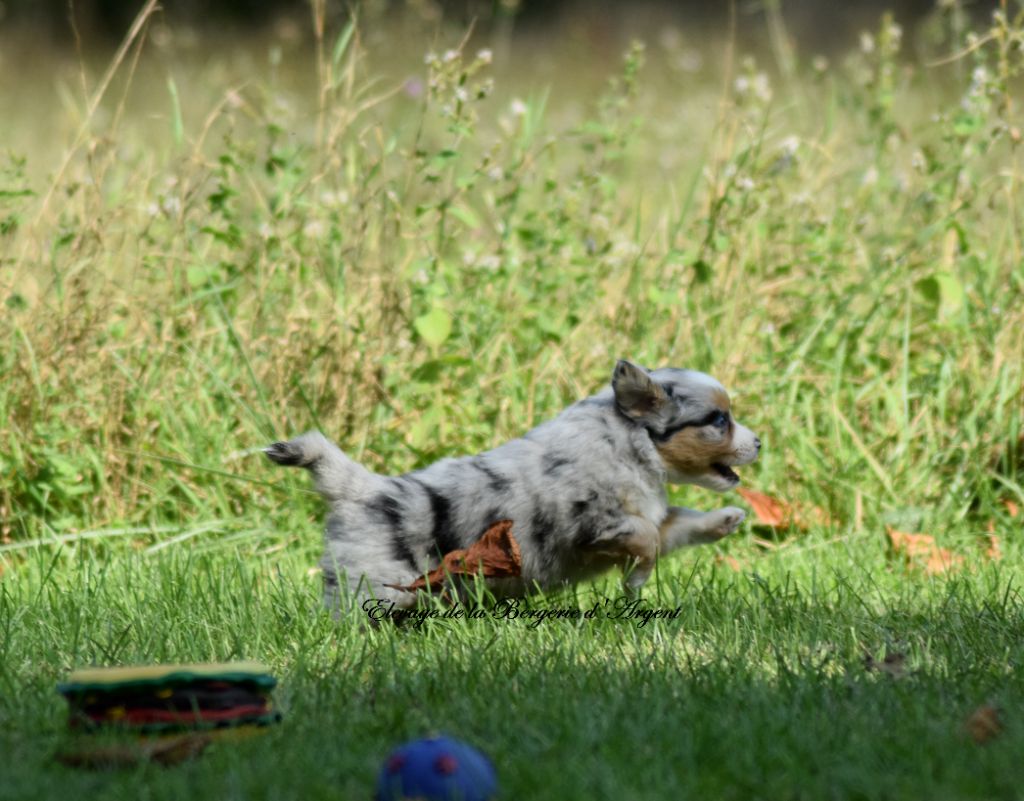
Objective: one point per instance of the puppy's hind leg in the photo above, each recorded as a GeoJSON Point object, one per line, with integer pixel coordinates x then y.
{"type": "Point", "coordinates": [682, 527]}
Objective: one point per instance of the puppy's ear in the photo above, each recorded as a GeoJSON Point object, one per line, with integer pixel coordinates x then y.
{"type": "Point", "coordinates": [636, 394]}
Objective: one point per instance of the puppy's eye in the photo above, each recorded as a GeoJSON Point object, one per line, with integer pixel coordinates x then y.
{"type": "Point", "coordinates": [721, 420]}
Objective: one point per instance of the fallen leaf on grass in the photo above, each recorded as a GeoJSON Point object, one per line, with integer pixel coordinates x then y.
{"type": "Point", "coordinates": [984, 723]}
{"type": "Point", "coordinates": [494, 555]}
{"type": "Point", "coordinates": [729, 561]}
{"type": "Point", "coordinates": [921, 552]}
{"type": "Point", "coordinates": [994, 550]}
{"type": "Point", "coordinates": [1011, 507]}
{"type": "Point", "coordinates": [767, 509]}
{"type": "Point", "coordinates": [162, 750]}
{"type": "Point", "coordinates": [894, 663]}
{"type": "Point", "coordinates": [779, 514]}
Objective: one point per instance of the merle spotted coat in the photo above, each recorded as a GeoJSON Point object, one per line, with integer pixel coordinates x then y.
{"type": "Point", "coordinates": [585, 491]}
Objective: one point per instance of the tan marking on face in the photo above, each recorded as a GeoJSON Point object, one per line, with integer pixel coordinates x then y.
{"type": "Point", "coordinates": [690, 453]}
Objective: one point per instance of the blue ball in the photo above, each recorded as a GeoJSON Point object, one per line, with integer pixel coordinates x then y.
{"type": "Point", "coordinates": [436, 769]}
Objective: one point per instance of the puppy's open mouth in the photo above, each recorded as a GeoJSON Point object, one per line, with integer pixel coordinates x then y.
{"type": "Point", "coordinates": [725, 472]}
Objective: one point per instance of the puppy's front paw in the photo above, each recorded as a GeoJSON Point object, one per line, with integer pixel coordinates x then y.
{"type": "Point", "coordinates": [724, 522]}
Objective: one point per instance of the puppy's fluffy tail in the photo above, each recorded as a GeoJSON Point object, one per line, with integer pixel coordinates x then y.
{"type": "Point", "coordinates": [335, 475]}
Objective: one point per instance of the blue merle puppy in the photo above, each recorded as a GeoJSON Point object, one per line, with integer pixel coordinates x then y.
{"type": "Point", "coordinates": [585, 491]}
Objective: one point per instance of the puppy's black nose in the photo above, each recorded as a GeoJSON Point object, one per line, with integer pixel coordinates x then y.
{"type": "Point", "coordinates": [757, 443]}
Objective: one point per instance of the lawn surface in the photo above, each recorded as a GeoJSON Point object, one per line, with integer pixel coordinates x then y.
{"type": "Point", "coordinates": [426, 253]}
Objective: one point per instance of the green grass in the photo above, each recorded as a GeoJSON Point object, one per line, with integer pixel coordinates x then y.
{"type": "Point", "coordinates": [237, 255]}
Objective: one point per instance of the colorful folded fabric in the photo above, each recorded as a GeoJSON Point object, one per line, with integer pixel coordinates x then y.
{"type": "Point", "coordinates": [162, 697]}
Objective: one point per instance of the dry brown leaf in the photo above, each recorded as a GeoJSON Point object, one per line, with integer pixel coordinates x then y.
{"type": "Point", "coordinates": [921, 552]}
{"type": "Point", "coordinates": [894, 663]}
{"type": "Point", "coordinates": [994, 550]}
{"type": "Point", "coordinates": [767, 510]}
{"type": "Point", "coordinates": [779, 514]}
{"type": "Point", "coordinates": [729, 561]}
{"type": "Point", "coordinates": [942, 560]}
{"type": "Point", "coordinates": [984, 723]}
{"type": "Point", "coordinates": [170, 750]}
{"type": "Point", "coordinates": [494, 555]}
{"type": "Point", "coordinates": [1011, 507]}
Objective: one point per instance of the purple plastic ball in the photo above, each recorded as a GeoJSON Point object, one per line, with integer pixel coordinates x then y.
{"type": "Point", "coordinates": [436, 769]}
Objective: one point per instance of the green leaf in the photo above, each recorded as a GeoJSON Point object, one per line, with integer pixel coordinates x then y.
{"type": "Point", "coordinates": [465, 216]}
{"type": "Point", "coordinates": [944, 291]}
{"type": "Point", "coordinates": [951, 293]}
{"type": "Point", "coordinates": [434, 327]}
{"type": "Point", "coordinates": [197, 275]}
{"type": "Point", "coordinates": [342, 43]}
{"type": "Point", "coordinates": [701, 271]}
{"type": "Point", "coordinates": [176, 121]}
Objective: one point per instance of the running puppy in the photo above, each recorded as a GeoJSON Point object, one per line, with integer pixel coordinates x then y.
{"type": "Point", "coordinates": [585, 491]}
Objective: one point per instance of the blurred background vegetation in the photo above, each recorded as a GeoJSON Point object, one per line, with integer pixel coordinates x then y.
{"type": "Point", "coordinates": [425, 227]}
{"type": "Point", "coordinates": [815, 22]}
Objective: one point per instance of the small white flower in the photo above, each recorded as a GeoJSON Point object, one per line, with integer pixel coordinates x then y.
{"type": "Point", "coordinates": [495, 173]}
{"type": "Point", "coordinates": [744, 183]}
{"type": "Point", "coordinates": [461, 94]}
{"type": "Point", "coordinates": [870, 176]}
{"type": "Point", "coordinates": [450, 56]}
{"type": "Point", "coordinates": [623, 251]}
{"type": "Point", "coordinates": [333, 199]}
{"type": "Point", "coordinates": [768, 328]}
{"type": "Point", "coordinates": [790, 145]}
{"type": "Point", "coordinates": [430, 58]}
{"type": "Point", "coordinates": [485, 56]}
{"type": "Point", "coordinates": [742, 85]}
{"type": "Point", "coordinates": [670, 38]}
{"type": "Point", "coordinates": [265, 230]}
{"type": "Point", "coordinates": [690, 61]}
{"type": "Point", "coordinates": [518, 108]}
{"type": "Point", "coordinates": [762, 86]}
{"type": "Point", "coordinates": [918, 161]}
{"type": "Point", "coordinates": [490, 263]}
{"type": "Point", "coordinates": [313, 229]}
{"type": "Point", "coordinates": [867, 42]}
{"type": "Point", "coordinates": [895, 33]}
